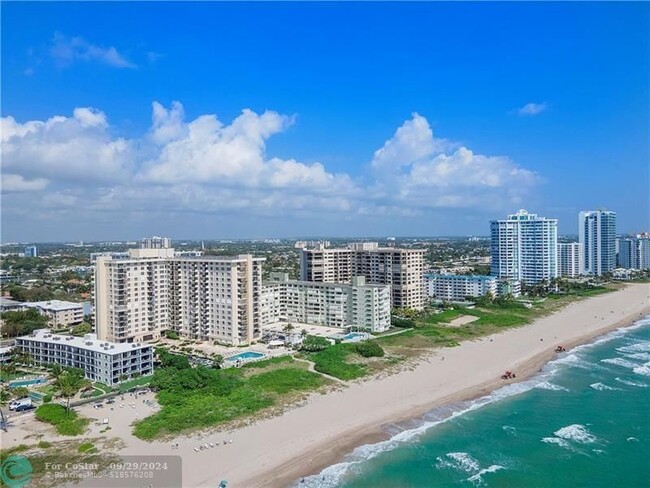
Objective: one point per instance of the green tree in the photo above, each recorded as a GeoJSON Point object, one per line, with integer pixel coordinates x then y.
{"type": "Point", "coordinates": [5, 396]}
{"type": "Point", "coordinates": [69, 383]}
{"type": "Point", "coordinates": [56, 370]}
{"type": "Point", "coordinates": [217, 361]}
{"type": "Point", "coordinates": [287, 329]}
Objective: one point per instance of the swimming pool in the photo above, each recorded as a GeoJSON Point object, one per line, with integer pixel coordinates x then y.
{"type": "Point", "coordinates": [18, 383]}
{"type": "Point", "coordinates": [354, 336]}
{"type": "Point", "coordinates": [245, 356]}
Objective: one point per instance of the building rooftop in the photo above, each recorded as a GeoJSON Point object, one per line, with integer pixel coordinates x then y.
{"type": "Point", "coordinates": [54, 305]}
{"type": "Point", "coordinates": [88, 342]}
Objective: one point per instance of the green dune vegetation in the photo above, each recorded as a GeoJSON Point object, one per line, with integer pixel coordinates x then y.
{"type": "Point", "coordinates": [203, 397]}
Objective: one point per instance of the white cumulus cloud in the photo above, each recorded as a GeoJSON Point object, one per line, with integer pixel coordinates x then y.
{"type": "Point", "coordinates": [532, 108]}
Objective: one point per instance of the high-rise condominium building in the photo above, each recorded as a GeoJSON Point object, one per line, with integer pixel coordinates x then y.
{"type": "Point", "coordinates": [31, 252]}
{"type": "Point", "coordinates": [207, 298]}
{"type": "Point", "coordinates": [326, 265]}
{"type": "Point", "coordinates": [634, 252]}
{"type": "Point", "coordinates": [217, 299]}
{"type": "Point", "coordinates": [401, 268]}
{"type": "Point", "coordinates": [524, 247]}
{"type": "Point", "coordinates": [329, 304]}
{"type": "Point", "coordinates": [569, 258]}
{"type": "Point", "coordinates": [597, 234]}
{"type": "Point", "coordinates": [155, 242]}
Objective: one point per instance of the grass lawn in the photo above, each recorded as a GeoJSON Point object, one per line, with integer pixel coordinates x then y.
{"type": "Point", "coordinates": [202, 397]}
{"type": "Point", "coordinates": [66, 422]}
{"type": "Point", "coordinates": [127, 385]}
{"type": "Point", "coordinates": [332, 361]}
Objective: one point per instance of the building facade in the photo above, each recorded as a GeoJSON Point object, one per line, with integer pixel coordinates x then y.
{"type": "Point", "coordinates": [357, 304]}
{"type": "Point", "coordinates": [451, 287]}
{"type": "Point", "coordinates": [155, 242]}
{"type": "Point", "coordinates": [569, 258]}
{"type": "Point", "coordinates": [59, 313]}
{"type": "Point", "coordinates": [31, 252]}
{"type": "Point", "coordinates": [402, 269]}
{"type": "Point", "coordinates": [524, 248]}
{"type": "Point", "coordinates": [217, 299]}
{"type": "Point", "coordinates": [634, 252]}
{"type": "Point", "coordinates": [101, 361]}
{"type": "Point", "coordinates": [597, 235]}
{"type": "Point", "coordinates": [206, 298]}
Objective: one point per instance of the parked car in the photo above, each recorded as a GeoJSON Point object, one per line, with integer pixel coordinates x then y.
{"type": "Point", "coordinates": [22, 408]}
{"type": "Point", "coordinates": [16, 404]}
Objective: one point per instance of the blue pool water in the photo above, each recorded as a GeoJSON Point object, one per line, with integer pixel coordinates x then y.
{"type": "Point", "coordinates": [354, 336]}
{"type": "Point", "coordinates": [18, 383]}
{"type": "Point", "coordinates": [245, 356]}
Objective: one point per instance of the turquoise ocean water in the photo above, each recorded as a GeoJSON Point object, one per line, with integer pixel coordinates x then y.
{"type": "Point", "coordinates": [584, 421]}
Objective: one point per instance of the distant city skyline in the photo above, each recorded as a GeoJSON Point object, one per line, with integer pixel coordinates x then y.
{"type": "Point", "coordinates": [192, 121]}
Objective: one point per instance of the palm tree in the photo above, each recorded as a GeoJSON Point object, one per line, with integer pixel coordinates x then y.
{"type": "Point", "coordinates": [70, 383]}
{"type": "Point", "coordinates": [288, 328]}
{"type": "Point", "coordinates": [217, 361]}
{"type": "Point", "coordinates": [56, 371]}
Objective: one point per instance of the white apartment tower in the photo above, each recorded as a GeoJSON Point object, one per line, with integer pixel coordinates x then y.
{"type": "Point", "coordinates": [401, 268]}
{"type": "Point", "coordinates": [207, 298]}
{"type": "Point", "coordinates": [217, 299]}
{"type": "Point", "coordinates": [569, 258]}
{"type": "Point", "coordinates": [329, 304]}
{"type": "Point", "coordinates": [155, 242]}
{"type": "Point", "coordinates": [597, 235]}
{"type": "Point", "coordinates": [524, 247]}
{"type": "Point", "coordinates": [634, 252]}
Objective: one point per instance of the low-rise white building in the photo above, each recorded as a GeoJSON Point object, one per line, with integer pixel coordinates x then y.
{"type": "Point", "coordinates": [101, 361]}
{"type": "Point", "coordinates": [452, 287]}
{"type": "Point", "coordinates": [459, 287]}
{"type": "Point", "coordinates": [329, 304]}
{"type": "Point", "coordinates": [59, 313]}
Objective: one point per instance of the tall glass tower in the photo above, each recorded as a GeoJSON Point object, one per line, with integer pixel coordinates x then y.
{"type": "Point", "coordinates": [597, 234]}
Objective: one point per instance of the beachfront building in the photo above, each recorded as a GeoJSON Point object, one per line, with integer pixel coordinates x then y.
{"type": "Point", "coordinates": [597, 235]}
{"type": "Point", "coordinates": [402, 269]}
{"type": "Point", "coordinates": [358, 304]}
{"type": "Point", "coordinates": [634, 252]}
{"type": "Point", "coordinates": [509, 288]}
{"type": "Point", "coordinates": [112, 254]}
{"type": "Point", "coordinates": [451, 287]}
{"type": "Point", "coordinates": [217, 299]}
{"type": "Point", "coordinates": [325, 265]}
{"type": "Point", "coordinates": [155, 242]}
{"type": "Point", "coordinates": [569, 259]}
{"type": "Point", "coordinates": [59, 312]}
{"type": "Point", "coordinates": [101, 361]}
{"type": "Point", "coordinates": [132, 295]}
{"type": "Point", "coordinates": [201, 297]}
{"type": "Point", "coordinates": [524, 248]}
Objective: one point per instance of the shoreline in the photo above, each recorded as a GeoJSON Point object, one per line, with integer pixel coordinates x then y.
{"type": "Point", "coordinates": [327, 453]}
{"type": "Point", "coordinates": [327, 427]}
{"type": "Point", "coordinates": [376, 434]}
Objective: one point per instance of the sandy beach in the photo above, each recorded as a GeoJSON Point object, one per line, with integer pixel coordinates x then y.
{"type": "Point", "coordinates": [274, 452]}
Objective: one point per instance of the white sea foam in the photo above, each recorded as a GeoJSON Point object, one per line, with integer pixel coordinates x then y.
{"type": "Point", "coordinates": [460, 461]}
{"type": "Point", "coordinates": [632, 439]}
{"type": "Point", "coordinates": [509, 429]}
{"type": "Point", "coordinates": [556, 440]}
{"type": "Point", "coordinates": [602, 387]}
{"type": "Point", "coordinates": [643, 370]}
{"type": "Point", "coordinates": [642, 346]}
{"type": "Point", "coordinates": [547, 385]}
{"type": "Point", "coordinates": [598, 451]}
{"type": "Point", "coordinates": [477, 479]}
{"type": "Point", "coordinates": [641, 356]}
{"type": "Point", "coordinates": [576, 433]}
{"type": "Point", "coordinates": [623, 363]}
{"type": "Point", "coordinates": [333, 475]}
{"type": "Point", "coordinates": [632, 383]}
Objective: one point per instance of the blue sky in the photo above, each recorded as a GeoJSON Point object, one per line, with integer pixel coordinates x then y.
{"type": "Point", "coordinates": [288, 119]}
